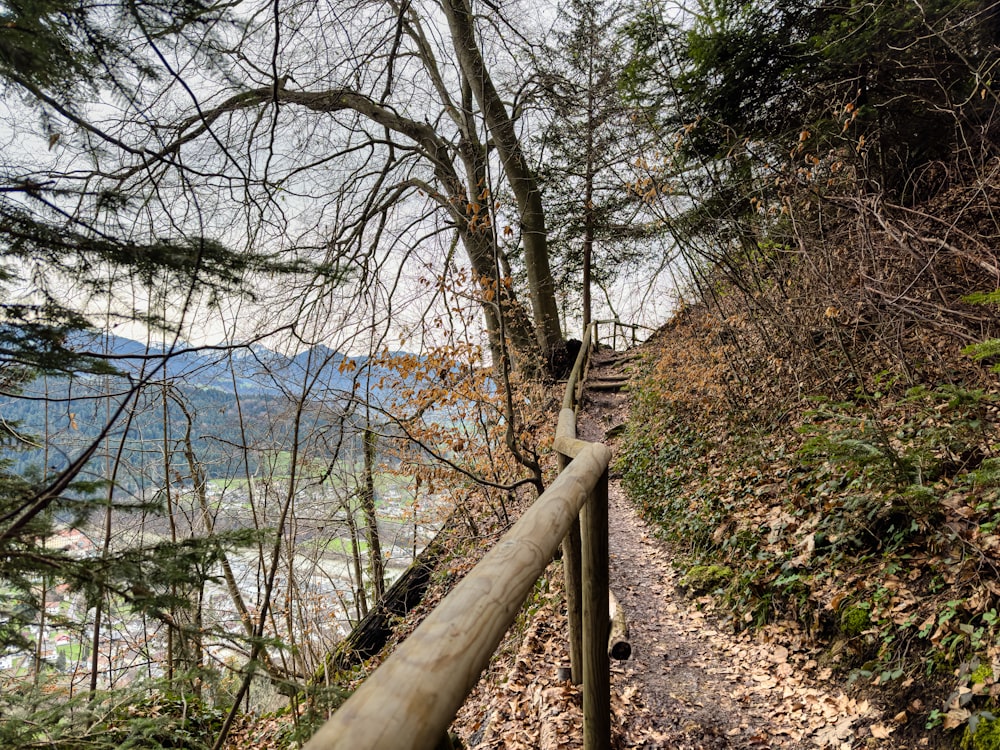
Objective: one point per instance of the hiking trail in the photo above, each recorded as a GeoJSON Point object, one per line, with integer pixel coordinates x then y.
{"type": "Point", "coordinates": [691, 681]}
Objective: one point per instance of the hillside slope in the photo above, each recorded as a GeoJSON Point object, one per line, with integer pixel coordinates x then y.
{"type": "Point", "coordinates": [869, 521]}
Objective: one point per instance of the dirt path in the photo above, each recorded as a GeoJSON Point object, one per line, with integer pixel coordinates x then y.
{"type": "Point", "coordinates": [691, 682]}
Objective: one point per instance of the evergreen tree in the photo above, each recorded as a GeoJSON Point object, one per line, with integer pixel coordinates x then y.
{"type": "Point", "coordinates": [71, 241]}
{"type": "Point", "coordinates": [588, 145]}
{"type": "Point", "coordinates": [73, 235]}
{"type": "Point", "coordinates": [63, 229]}
{"type": "Point", "coordinates": [910, 82]}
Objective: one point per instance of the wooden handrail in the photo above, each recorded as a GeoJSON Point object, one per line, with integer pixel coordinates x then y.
{"type": "Point", "coordinates": [615, 325]}
{"type": "Point", "coordinates": [411, 699]}
{"type": "Point", "coordinates": [571, 397]}
{"type": "Point", "coordinates": [585, 568]}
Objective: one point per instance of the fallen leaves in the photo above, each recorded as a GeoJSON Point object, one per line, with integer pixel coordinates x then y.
{"type": "Point", "coordinates": [520, 703]}
{"type": "Point", "coordinates": [881, 732]}
{"type": "Point", "coordinates": [691, 683]}
{"type": "Point", "coordinates": [765, 689]}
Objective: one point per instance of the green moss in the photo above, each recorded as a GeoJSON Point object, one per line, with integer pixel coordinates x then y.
{"type": "Point", "coordinates": [981, 674]}
{"type": "Point", "coordinates": [986, 736]}
{"type": "Point", "coordinates": [702, 578]}
{"type": "Point", "coordinates": [854, 620]}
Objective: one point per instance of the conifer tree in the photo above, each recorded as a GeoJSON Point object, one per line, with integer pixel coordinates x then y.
{"type": "Point", "coordinates": [910, 83]}
{"type": "Point", "coordinates": [589, 142]}
{"type": "Point", "coordinates": [73, 235]}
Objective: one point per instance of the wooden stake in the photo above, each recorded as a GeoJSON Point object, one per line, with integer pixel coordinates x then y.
{"type": "Point", "coordinates": [619, 647]}
{"type": "Point", "coordinates": [596, 668]}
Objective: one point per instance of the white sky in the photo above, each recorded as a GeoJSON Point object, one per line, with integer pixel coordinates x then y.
{"type": "Point", "coordinates": [304, 208]}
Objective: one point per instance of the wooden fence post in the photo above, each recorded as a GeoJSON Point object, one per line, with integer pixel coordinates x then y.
{"type": "Point", "coordinates": [596, 667]}
{"type": "Point", "coordinates": [572, 577]}
{"type": "Point", "coordinates": [571, 545]}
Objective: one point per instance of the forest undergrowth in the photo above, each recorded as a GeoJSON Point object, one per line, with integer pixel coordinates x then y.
{"type": "Point", "coordinates": [816, 454]}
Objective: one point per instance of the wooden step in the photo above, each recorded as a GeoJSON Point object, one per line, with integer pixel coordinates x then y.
{"type": "Point", "coordinates": [607, 385]}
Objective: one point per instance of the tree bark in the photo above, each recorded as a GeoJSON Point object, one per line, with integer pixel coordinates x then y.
{"type": "Point", "coordinates": [375, 560]}
{"type": "Point", "coordinates": [370, 634]}
{"type": "Point", "coordinates": [523, 182]}
{"type": "Point", "coordinates": [360, 598]}
{"type": "Point", "coordinates": [588, 198]}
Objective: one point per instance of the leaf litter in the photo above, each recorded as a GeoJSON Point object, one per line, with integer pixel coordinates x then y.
{"type": "Point", "coordinates": [691, 683]}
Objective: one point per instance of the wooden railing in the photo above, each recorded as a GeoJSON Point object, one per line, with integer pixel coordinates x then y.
{"type": "Point", "coordinates": [615, 326]}
{"type": "Point", "coordinates": [411, 699]}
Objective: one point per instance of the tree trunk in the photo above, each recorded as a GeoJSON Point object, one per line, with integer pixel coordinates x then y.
{"type": "Point", "coordinates": [588, 199]}
{"type": "Point", "coordinates": [360, 597]}
{"type": "Point", "coordinates": [200, 483]}
{"type": "Point", "coordinates": [371, 518]}
{"type": "Point", "coordinates": [506, 319]}
{"type": "Point", "coordinates": [523, 182]}
{"type": "Point", "coordinates": [369, 636]}
{"type": "Point", "coordinates": [527, 335]}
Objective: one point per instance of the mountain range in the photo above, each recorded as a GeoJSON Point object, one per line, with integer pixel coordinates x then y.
{"type": "Point", "coordinates": [236, 404]}
{"type": "Point", "coordinates": [250, 368]}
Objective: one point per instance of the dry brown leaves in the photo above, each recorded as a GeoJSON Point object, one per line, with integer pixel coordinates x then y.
{"type": "Point", "coordinates": [520, 702]}
{"type": "Point", "coordinates": [762, 690]}
{"type": "Point", "coordinates": [692, 683]}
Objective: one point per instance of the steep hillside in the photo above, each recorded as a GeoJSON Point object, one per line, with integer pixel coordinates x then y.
{"type": "Point", "coordinates": [856, 498]}
{"type": "Point", "coordinates": [816, 430]}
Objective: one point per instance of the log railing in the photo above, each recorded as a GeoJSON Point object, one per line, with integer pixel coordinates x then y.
{"type": "Point", "coordinates": [616, 325]}
{"type": "Point", "coordinates": [411, 699]}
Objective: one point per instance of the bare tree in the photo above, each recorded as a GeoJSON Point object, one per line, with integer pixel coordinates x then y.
{"type": "Point", "coordinates": [357, 137]}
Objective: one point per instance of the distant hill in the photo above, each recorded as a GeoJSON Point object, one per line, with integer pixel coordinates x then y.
{"type": "Point", "coordinates": [238, 400]}
{"type": "Point", "coordinates": [251, 368]}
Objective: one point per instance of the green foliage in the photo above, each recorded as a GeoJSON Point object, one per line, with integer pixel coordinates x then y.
{"type": "Point", "coordinates": [151, 576]}
{"type": "Point", "coordinates": [879, 521]}
{"type": "Point", "coordinates": [984, 735]}
{"type": "Point", "coordinates": [981, 674]}
{"type": "Point", "coordinates": [72, 251]}
{"type": "Point", "coordinates": [855, 620]}
{"type": "Point", "coordinates": [844, 520]}
{"type": "Point", "coordinates": [587, 144]}
{"type": "Point", "coordinates": [766, 71]}
{"type": "Point", "coordinates": [987, 475]}
{"type": "Point", "coordinates": [990, 348]}
{"type": "Point", "coordinates": [983, 298]}
{"type": "Point", "coordinates": [655, 472]}
{"type": "Point", "coordinates": [55, 46]}
{"type": "Point", "coordinates": [164, 720]}
{"type": "Point", "coordinates": [700, 579]}
{"type": "Point", "coordinates": [55, 54]}
{"type": "Point", "coordinates": [902, 450]}
{"type": "Point", "coordinates": [741, 63]}
{"type": "Point", "coordinates": [147, 716]}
